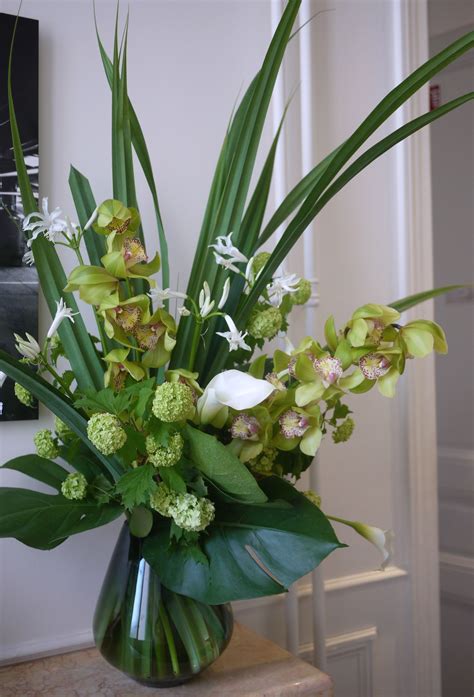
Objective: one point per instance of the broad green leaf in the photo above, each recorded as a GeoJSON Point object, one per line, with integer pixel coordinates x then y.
{"type": "Point", "coordinates": [58, 404]}
{"type": "Point", "coordinates": [412, 300]}
{"type": "Point", "coordinates": [39, 468]}
{"type": "Point", "coordinates": [44, 521]}
{"type": "Point", "coordinates": [136, 485]}
{"type": "Point", "coordinates": [219, 465]}
{"type": "Point", "coordinates": [253, 550]}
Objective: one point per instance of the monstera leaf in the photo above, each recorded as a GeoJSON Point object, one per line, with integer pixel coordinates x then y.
{"type": "Point", "coordinates": [43, 521]}
{"type": "Point", "coordinates": [252, 550]}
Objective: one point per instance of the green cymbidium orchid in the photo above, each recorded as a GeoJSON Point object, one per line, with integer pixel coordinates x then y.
{"type": "Point", "coordinates": [156, 337]}
{"type": "Point", "coordinates": [113, 216]}
{"type": "Point", "coordinates": [126, 258]}
{"type": "Point", "coordinates": [122, 317]}
{"type": "Point", "coordinates": [368, 323]}
{"type": "Point", "coordinates": [94, 284]}
{"type": "Point", "coordinates": [119, 367]}
{"type": "Point", "coordinates": [421, 337]}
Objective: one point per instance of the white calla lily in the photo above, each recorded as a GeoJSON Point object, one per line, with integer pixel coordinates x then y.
{"type": "Point", "coordinates": [382, 539]}
{"type": "Point", "coordinates": [234, 389]}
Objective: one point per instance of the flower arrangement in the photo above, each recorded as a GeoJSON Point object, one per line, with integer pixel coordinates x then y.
{"type": "Point", "coordinates": [177, 414]}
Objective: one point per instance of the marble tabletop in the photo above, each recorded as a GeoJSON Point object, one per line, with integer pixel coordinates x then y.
{"type": "Point", "coordinates": [250, 667]}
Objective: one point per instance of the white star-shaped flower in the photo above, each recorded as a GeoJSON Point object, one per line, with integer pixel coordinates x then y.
{"type": "Point", "coordinates": [281, 286]}
{"type": "Point", "coordinates": [62, 312]}
{"type": "Point", "coordinates": [233, 336]}
{"type": "Point", "coordinates": [46, 223]}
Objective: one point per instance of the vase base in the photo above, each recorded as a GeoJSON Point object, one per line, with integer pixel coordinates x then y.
{"type": "Point", "coordinates": [156, 684]}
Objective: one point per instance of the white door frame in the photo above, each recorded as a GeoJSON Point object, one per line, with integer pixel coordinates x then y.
{"type": "Point", "coordinates": [418, 394]}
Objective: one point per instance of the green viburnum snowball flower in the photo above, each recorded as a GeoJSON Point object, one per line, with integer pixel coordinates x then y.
{"type": "Point", "coordinates": [167, 456]}
{"type": "Point", "coordinates": [263, 464]}
{"type": "Point", "coordinates": [45, 444]}
{"type": "Point", "coordinates": [192, 513]}
{"type": "Point", "coordinates": [106, 433]}
{"type": "Point", "coordinates": [302, 293]}
{"type": "Point", "coordinates": [313, 497]}
{"type": "Point", "coordinates": [162, 499]}
{"type": "Point", "coordinates": [23, 396]}
{"type": "Point", "coordinates": [344, 431]}
{"type": "Point", "coordinates": [265, 324]}
{"type": "Point", "coordinates": [259, 261]}
{"type": "Point", "coordinates": [63, 432]}
{"type": "Point", "coordinates": [74, 487]}
{"type": "Point", "coordinates": [173, 401]}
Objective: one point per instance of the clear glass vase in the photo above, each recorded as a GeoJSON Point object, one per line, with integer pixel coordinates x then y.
{"type": "Point", "coordinates": [152, 634]}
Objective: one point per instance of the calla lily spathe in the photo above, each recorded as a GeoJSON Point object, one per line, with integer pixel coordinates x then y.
{"type": "Point", "coordinates": [382, 539]}
{"type": "Point", "coordinates": [233, 389]}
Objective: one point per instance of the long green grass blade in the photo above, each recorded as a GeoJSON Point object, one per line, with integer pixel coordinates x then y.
{"type": "Point", "coordinates": [75, 338]}
{"type": "Point", "coordinates": [296, 196]}
{"type": "Point", "coordinates": [139, 144]}
{"type": "Point", "coordinates": [58, 404]}
{"type": "Point", "coordinates": [412, 300]}
{"type": "Point", "coordinates": [85, 204]}
{"type": "Point", "coordinates": [308, 212]}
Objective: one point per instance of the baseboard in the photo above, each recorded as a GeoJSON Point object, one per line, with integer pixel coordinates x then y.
{"type": "Point", "coordinates": [40, 648]}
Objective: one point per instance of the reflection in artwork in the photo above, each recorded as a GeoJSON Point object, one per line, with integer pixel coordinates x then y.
{"type": "Point", "coordinates": [18, 282]}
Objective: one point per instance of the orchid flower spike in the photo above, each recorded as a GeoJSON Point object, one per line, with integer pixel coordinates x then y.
{"type": "Point", "coordinates": [235, 338]}
{"type": "Point", "coordinates": [46, 223]}
{"type": "Point", "coordinates": [206, 305]}
{"type": "Point", "coordinates": [62, 312]}
{"type": "Point", "coordinates": [29, 347]}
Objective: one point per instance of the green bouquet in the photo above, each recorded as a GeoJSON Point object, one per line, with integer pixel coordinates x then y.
{"type": "Point", "coordinates": [177, 414]}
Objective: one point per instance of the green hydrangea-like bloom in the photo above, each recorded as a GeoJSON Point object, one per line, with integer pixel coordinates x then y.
{"type": "Point", "coordinates": [23, 396]}
{"type": "Point", "coordinates": [344, 431]}
{"type": "Point", "coordinates": [302, 293]}
{"type": "Point", "coordinates": [106, 433]}
{"type": "Point", "coordinates": [173, 401]}
{"type": "Point", "coordinates": [62, 431]}
{"type": "Point", "coordinates": [313, 497]}
{"type": "Point", "coordinates": [192, 513]}
{"type": "Point", "coordinates": [162, 499]}
{"type": "Point", "coordinates": [265, 324]}
{"type": "Point", "coordinates": [74, 486]}
{"type": "Point", "coordinates": [259, 261]}
{"type": "Point", "coordinates": [45, 444]}
{"type": "Point", "coordinates": [263, 464]}
{"type": "Point", "coordinates": [167, 456]}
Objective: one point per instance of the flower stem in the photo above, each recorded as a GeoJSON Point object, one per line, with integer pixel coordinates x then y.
{"type": "Point", "coordinates": [169, 638]}
{"type": "Point", "coordinates": [194, 344]}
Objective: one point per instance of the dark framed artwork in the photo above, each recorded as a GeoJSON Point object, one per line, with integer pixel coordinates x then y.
{"type": "Point", "coordinates": [18, 281]}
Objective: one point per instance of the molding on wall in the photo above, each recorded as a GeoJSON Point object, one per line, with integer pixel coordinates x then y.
{"type": "Point", "coordinates": [358, 645]}
{"type": "Point", "coordinates": [39, 648]}
{"type": "Point", "coordinates": [420, 396]}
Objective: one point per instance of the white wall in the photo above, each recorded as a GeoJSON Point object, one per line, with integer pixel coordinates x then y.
{"type": "Point", "coordinates": [452, 150]}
